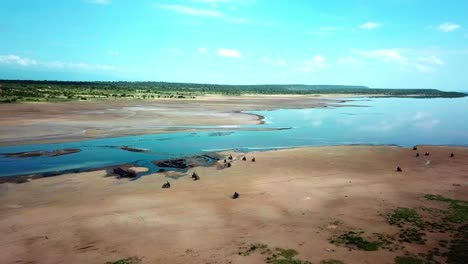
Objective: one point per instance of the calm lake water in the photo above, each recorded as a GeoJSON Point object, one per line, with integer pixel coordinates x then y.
{"type": "Point", "coordinates": [383, 121]}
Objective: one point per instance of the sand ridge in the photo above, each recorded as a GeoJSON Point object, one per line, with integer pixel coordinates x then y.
{"type": "Point", "coordinates": [29, 123]}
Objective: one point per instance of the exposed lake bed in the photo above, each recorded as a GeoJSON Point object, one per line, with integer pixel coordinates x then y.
{"type": "Point", "coordinates": [322, 178]}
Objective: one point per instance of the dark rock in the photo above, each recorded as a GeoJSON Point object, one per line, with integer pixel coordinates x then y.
{"type": "Point", "coordinates": [166, 185]}
{"type": "Point", "coordinates": [133, 149]}
{"type": "Point", "coordinates": [124, 173]}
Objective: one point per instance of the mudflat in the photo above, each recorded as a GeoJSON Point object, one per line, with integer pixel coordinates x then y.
{"type": "Point", "coordinates": [297, 199]}
{"type": "Point", "coordinates": [29, 123]}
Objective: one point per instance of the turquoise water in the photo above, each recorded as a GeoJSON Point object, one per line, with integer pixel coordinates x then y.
{"type": "Point", "coordinates": [381, 121]}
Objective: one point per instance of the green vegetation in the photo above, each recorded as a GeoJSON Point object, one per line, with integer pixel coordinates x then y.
{"type": "Point", "coordinates": [401, 216]}
{"type": "Point", "coordinates": [131, 260]}
{"type": "Point", "coordinates": [412, 235]}
{"type": "Point", "coordinates": [276, 256]}
{"type": "Point", "coordinates": [455, 216]}
{"type": "Point", "coordinates": [262, 248]}
{"type": "Point", "coordinates": [353, 239]}
{"type": "Point", "coordinates": [407, 260]}
{"type": "Point", "coordinates": [19, 91]}
{"type": "Point", "coordinates": [458, 250]}
{"type": "Point", "coordinates": [458, 209]}
{"type": "Point", "coordinates": [410, 223]}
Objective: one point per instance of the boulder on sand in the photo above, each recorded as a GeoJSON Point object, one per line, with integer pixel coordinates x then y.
{"type": "Point", "coordinates": [124, 173]}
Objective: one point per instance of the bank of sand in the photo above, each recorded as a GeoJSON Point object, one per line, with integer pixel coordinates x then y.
{"type": "Point", "coordinates": [29, 123]}
{"type": "Point", "coordinates": [295, 198]}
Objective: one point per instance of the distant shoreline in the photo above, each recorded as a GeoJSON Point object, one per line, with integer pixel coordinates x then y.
{"type": "Point", "coordinates": [59, 91]}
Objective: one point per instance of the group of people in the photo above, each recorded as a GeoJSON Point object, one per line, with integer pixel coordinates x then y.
{"type": "Point", "coordinates": [398, 169]}
{"type": "Point", "coordinates": [195, 176]}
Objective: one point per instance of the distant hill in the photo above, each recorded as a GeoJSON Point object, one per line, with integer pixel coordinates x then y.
{"type": "Point", "coordinates": [23, 90]}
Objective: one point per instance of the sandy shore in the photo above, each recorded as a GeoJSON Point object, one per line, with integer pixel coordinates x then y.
{"type": "Point", "coordinates": [296, 198]}
{"type": "Point", "coordinates": [29, 123]}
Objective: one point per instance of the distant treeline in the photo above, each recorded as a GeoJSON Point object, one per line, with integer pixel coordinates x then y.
{"type": "Point", "coordinates": [19, 90]}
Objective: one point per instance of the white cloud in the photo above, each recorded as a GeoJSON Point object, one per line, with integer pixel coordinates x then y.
{"type": "Point", "coordinates": [316, 63]}
{"type": "Point", "coordinates": [100, 2]}
{"type": "Point", "coordinates": [448, 27]}
{"type": "Point", "coordinates": [370, 25]}
{"type": "Point", "coordinates": [26, 62]}
{"type": "Point", "coordinates": [113, 53]}
{"type": "Point", "coordinates": [272, 61]}
{"type": "Point", "coordinates": [385, 55]}
{"type": "Point", "coordinates": [202, 50]}
{"type": "Point", "coordinates": [186, 10]}
{"type": "Point", "coordinates": [229, 53]}
{"type": "Point", "coordinates": [16, 60]}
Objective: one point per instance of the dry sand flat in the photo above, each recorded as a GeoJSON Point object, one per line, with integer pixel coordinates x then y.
{"type": "Point", "coordinates": [295, 198]}
{"type": "Point", "coordinates": [27, 123]}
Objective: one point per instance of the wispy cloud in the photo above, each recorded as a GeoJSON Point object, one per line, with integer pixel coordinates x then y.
{"type": "Point", "coordinates": [316, 63]}
{"type": "Point", "coordinates": [407, 60]}
{"type": "Point", "coordinates": [82, 66]}
{"type": "Point", "coordinates": [186, 10]}
{"type": "Point", "coordinates": [27, 62]}
{"type": "Point", "coordinates": [448, 27]}
{"type": "Point", "coordinates": [16, 60]}
{"type": "Point", "coordinates": [428, 64]}
{"type": "Point", "coordinates": [385, 55]}
{"type": "Point", "coordinates": [217, 2]}
{"type": "Point", "coordinates": [201, 12]}
{"type": "Point", "coordinates": [273, 61]}
{"type": "Point", "coordinates": [431, 60]}
{"type": "Point", "coordinates": [423, 68]}
{"type": "Point", "coordinates": [113, 53]}
{"type": "Point", "coordinates": [202, 50]}
{"type": "Point", "coordinates": [325, 30]}
{"type": "Point", "coordinates": [229, 53]}
{"type": "Point", "coordinates": [99, 2]}
{"type": "Point", "coordinates": [350, 61]}
{"type": "Point", "coordinates": [174, 51]}
{"type": "Point", "coordinates": [370, 25]}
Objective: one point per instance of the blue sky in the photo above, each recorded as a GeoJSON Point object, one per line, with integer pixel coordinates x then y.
{"type": "Point", "coordinates": [386, 44]}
